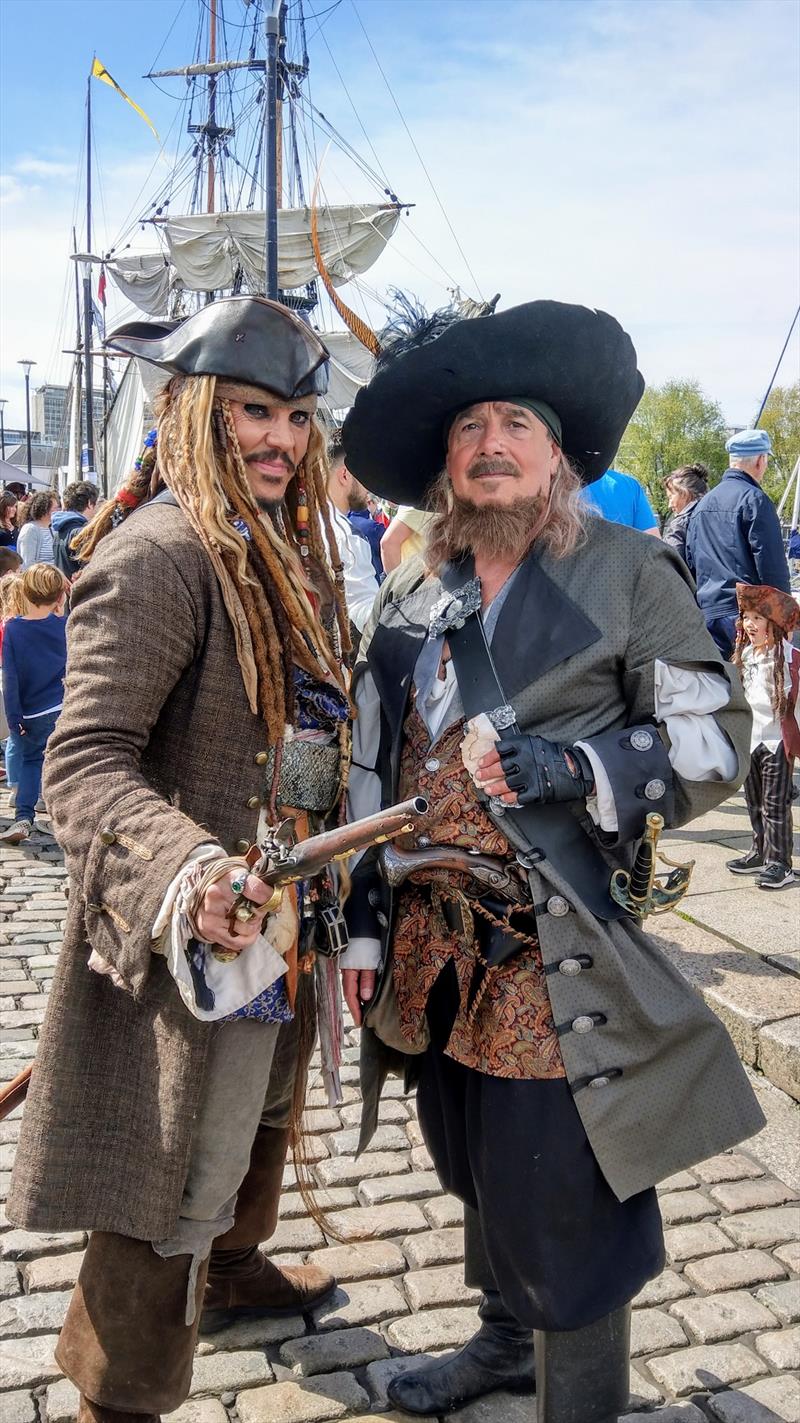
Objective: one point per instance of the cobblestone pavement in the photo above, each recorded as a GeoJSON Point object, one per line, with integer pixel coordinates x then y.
{"type": "Point", "coordinates": [717, 1337]}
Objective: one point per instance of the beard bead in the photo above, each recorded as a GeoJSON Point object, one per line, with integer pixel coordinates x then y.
{"type": "Point", "coordinates": [302, 519]}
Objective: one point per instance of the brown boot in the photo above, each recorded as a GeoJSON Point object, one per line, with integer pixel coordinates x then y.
{"type": "Point", "coordinates": [89, 1412]}
{"type": "Point", "coordinates": [125, 1343]}
{"type": "Point", "coordinates": [244, 1284]}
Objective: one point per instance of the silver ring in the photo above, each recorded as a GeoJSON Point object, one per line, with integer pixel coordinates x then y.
{"type": "Point", "coordinates": [237, 885]}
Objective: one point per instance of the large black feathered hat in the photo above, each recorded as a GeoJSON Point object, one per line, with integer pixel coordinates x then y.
{"type": "Point", "coordinates": [242, 338]}
{"type": "Point", "coordinates": [577, 361]}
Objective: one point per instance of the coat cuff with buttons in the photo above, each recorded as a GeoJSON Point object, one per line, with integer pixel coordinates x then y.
{"type": "Point", "coordinates": [633, 777]}
{"type": "Point", "coordinates": [133, 856]}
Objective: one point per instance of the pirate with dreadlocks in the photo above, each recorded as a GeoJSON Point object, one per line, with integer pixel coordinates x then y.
{"type": "Point", "coordinates": [205, 695]}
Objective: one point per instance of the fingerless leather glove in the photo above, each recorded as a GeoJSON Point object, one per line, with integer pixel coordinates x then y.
{"type": "Point", "coordinates": [543, 771]}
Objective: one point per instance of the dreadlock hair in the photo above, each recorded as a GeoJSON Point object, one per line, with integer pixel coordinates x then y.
{"type": "Point", "coordinates": [198, 457]}
{"type": "Point", "coordinates": [774, 640]}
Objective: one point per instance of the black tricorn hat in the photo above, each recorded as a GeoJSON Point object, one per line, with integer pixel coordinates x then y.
{"type": "Point", "coordinates": [578, 361]}
{"type": "Point", "coordinates": [242, 338]}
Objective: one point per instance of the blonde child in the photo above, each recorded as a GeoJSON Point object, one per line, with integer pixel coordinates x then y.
{"type": "Point", "coordinates": [12, 605]}
{"type": "Point", "coordinates": [34, 663]}
{"type": "Point", "coordinates": [770, 668]}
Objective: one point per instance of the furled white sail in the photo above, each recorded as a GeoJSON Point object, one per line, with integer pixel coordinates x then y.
{"type": "Point", "coordinates": [208, 251]}
{"type": "Point", "coordinates": [125, 426]}
{"type": "Point", "coordinates": [351, 367]}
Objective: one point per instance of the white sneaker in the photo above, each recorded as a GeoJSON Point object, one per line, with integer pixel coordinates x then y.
{"type": "Point", "coordinates": [16, 833]}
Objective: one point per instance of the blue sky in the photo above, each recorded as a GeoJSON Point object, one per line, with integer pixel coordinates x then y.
{"type": "Point", "coordinates": [638, 155]}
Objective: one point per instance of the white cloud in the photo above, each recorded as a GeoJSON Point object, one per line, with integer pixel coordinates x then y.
{"type": "Point", "coordinates": [617, 160]}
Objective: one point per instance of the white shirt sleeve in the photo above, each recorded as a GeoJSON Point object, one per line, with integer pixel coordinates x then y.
{"type": "Point", "coordinates": [361, 953]}
{"type": "Point", "coordinates": [685, 701]}
{"type": "Point", "coordinates": [360, 583]}
{"type": "Point", "coordinates": [364, 798]}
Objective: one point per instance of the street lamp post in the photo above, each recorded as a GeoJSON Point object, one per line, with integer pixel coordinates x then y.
{"type": "Point", "coordinates": [3, 404]}
{"type": "Point", "coordinates": [26, 366]}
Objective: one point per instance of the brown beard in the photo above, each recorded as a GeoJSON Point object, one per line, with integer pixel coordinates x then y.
{"type": "Point", "coordinates": [491, 531]}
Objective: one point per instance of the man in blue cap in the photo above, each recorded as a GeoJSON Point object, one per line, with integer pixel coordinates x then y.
{"type": "Point", "coordinates": [735, 536]}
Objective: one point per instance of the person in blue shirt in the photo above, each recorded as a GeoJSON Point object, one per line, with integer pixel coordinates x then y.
{"type": "Point", "coordinates": [735, 537]}
{"type": "Point", "coordinates": [34, 664]}
{"type": "Point", "coordinates": [621, 499]}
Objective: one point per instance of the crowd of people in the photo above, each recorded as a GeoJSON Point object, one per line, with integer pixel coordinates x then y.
{"type": "Point", "coordinates": [543, 677]}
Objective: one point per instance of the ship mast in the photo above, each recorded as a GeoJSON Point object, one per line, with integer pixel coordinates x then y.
{"type": "Point", "coordinates": [87, 290]}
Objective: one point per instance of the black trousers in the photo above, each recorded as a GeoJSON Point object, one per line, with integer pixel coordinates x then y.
{"type": "Point", "coordinates": [768, 792]}
{"type": "Point", "coordinates": [556, 1243]}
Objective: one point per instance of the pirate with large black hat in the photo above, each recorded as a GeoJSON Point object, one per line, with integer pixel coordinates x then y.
{"type": "Point", "coordinates": [547, 681]}
{"type": "Point", "coordinates": [205, 696]}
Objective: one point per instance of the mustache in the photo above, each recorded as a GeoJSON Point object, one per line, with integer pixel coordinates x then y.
{"type": "Point", "coordinates": [483, 465]}
{"type": "Point", "coordinates": [272, 456]}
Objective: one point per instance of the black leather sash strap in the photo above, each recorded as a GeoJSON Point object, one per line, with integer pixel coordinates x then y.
{"type": "Point", "coordinates": [552, 831]}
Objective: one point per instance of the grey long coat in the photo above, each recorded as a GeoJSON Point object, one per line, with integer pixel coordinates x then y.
{"type": "Point", "coordinates": [154, 753]}
{"type": "Point", "coordinates": [575, 647]}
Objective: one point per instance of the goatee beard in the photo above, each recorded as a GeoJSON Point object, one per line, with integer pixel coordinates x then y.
{"type": "Point", "coordinates": [492, 531]}
{"type": "Point", "coordinates": [269, 506]}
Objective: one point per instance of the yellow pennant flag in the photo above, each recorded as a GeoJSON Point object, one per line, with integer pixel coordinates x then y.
{"type": "Point", "coordinates": [99, 71]}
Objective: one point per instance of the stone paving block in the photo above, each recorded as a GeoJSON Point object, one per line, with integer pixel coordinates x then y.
{"type": "Point", "coordinates": [666, 1287]}
{"type": "Point", "coordinates": [723, 1316]}
{"type": "Point", "coordinates": [774, 1400]}
{"type": "Point", "coordinates": [52, 1272]}
{"type": "Point", "coordinates": [789, 1255]}
{"type": "Point", "coordinates": [443, 1212]}
{"type": "Point", "coordinates": [380, 1374]}
{"type": "Point", "coordinates": [61, 1402]}
{"type": "Point", "coordinates": [335, 1198]}
{"type": "Point", "coordinates": [255, 1333]}
{"type": "Point", "coordinates": [643, 1391]}
{"type": "Point", "coordinates": [10, 1283]}
{"type": "Point", "coordinates": [327, 1353]}
{"type": "Point", "coordinates": [781, 1348]}
{"type": "Point", "coordinates": [421, 1159]}
{"type": "Point", "coordinates": [706, 1367]}
{"type": "Point", "coordinates": [389, 1112]}
{"type": "Point", "coordinates": [433, 1329]}
{"type": "Point", "coordinates": [435, 1247]}
{"type": "Point", "coordinates": [737, 1196]}
{"type": "Point", "coordinates": [312, 1401]}
{"type": "Point", "coordinates": [783, 1300]}
{"type": "Point", "coordinates": [28, 1244]}
{"type": "Point", "coordinates": [388, 1137]}
{"type": "Point", "coordinates": [377, 1222]}
{"type": "Point", "coordinates": [763, 1228]}
{"type": "Point", "coordinates": [733, 1272]}
{"type": "Point", "coordinates": [498, 1407]}
{"type": "Point", "coordinates": [346, 1171]}
{"type": "Point", "coordinates": [367, 1261]}
{"type": "Point", "coordinates": [730, 1166]}
{"type": "Point", "coordinates": [689, 1242]}
{"type": "Point", "coordinates": [360, 1304]}
{"type": "Point", "coordinates": [25, 1363]}
{"type": "Point", "coordinates": [33, 1314]}
{"type": "Point", "coordinates": [681, 1181]}
{"type": "Point", "coordinates": [652, 1329]}
{"type": "Point", "coordinates": [416, 1185]}
{"type": "Point", "coordinates": [303, 1233]}
{"type": "Point", "coordinates": [779, 1055]}
{"type": "Point", "coordinates": [19, 1407]}
{"type": "Point", "coordinates": [438, 1287]}
{"type": "Point", "coordinates": [199, 1410]}
{"type": "Point", "coordinates": [679, 1206]}
{"type": "Point", "coordinates": [673, 1413]}
{"type": "Point", "coordinates": [217, 1373]}
{"type": "Point", "coordinates": [322, 1119]}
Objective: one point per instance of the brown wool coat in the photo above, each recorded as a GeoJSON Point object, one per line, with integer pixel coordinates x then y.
{"type": "Point", "coordinates": [154, 754]}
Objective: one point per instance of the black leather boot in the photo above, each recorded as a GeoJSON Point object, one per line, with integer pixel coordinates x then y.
{"type": "Point", "coordinates": [499, 1356]}
{"type": "Point", "coordinates": [583, 1375]}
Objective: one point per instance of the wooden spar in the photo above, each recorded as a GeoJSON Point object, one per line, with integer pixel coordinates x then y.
{"type": "Point", "coordinates": [211, 137]}
{"type": "Point", "coordinates": [87, 293]}
{"type": "Point", "coordinates": [272, 11]}
{"type": "Point", "coordinates": [354, 323]}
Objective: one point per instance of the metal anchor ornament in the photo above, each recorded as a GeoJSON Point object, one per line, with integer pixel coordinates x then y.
{"type": "Point", "coordinates": [643, 891]}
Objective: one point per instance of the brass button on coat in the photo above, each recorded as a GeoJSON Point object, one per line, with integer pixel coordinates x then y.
{"type": "Point", "coordinates": [261, 758]}
{"type": "Point", "coordinates": [242, 846]}
{"type": "Point", "coordinates": [558, 906]}
{"type": "Point", "coordinates": [600, 1081]}
{"type": "Point", "coordinates": [107, 837]}
{"type": "Point", "coordinates": [253, 802]}
{"type": "Point", "coordinates": [570, 967]}
{"type": "Point", "coordinates": [584, 1024]}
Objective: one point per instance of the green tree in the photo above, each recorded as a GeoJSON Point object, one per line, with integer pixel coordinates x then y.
{"type": "Point", "coordinates": [674, 424]}
{"type": "Point", "coordinates": [781, 419]}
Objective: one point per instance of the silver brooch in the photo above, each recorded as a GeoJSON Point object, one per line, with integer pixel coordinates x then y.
{"type": "Point", "coordinates": [452, 610]}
